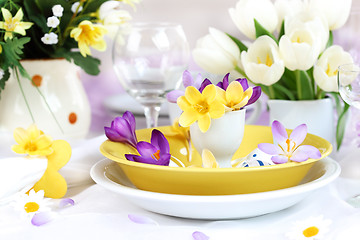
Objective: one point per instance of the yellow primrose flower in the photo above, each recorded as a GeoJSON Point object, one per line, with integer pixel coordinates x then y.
{"type": "Point", "coordinates": [200, 107]}
{"type": "Point", "coordinates": [13, 24]}
{"type": "Point", "coordinates": [234, 97]}
{"type": "Point", "coordinates": [88, 34]}
{"type": "Point", "coordinates": [32, 141]}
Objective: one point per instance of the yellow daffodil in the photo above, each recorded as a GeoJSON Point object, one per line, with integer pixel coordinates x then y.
{"type": "Point", "coordinates": [234, 97]}
{"type": "Point", "coordinates": [13, 24]}
{"type": "Point", "coordinates": [200, 107]}
{"type": "Point", "coordinates": [88, 34]}
{"type": "Point", "coordinates": [32, 141]}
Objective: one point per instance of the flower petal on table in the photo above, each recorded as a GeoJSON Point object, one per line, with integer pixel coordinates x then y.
{"type": "Point", "coordinates": [304, 152]}
{"type": "Point", "coordinates": [298, 134]}
{"type": "Point", "coordinates": [278, 159]}
{"type": "Point", "coordinates": [278, 131]}
{"type": "Point", "coordinates": [199, 236]}
{"type": "Point", "coordinates": [270, 149]}
{"type": "Point", "coordinates": [141, 219]}
{"type": "Point", "coordinates": [42, 218]}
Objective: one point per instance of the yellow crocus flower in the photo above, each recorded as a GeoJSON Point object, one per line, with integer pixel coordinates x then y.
{"type": "Point", "coordinates": [200, 107]}
{"type": "Point", "coordinates": [13, 24]}
{"type": "Point", "coordinates": [234, 97]}
{"type": "Point", "coordinates": [88, 34]}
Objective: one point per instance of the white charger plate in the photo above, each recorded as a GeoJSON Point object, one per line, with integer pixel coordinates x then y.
{"type": "Point", "coordinates": [122, 102]}
{"type": "Point", "coordinates": [109, 175]}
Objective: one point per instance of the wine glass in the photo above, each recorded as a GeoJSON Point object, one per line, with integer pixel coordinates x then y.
{"type": "Point", "coordinates": [149, 59]}
{"type": "Point", "coordinates": [349, 83]}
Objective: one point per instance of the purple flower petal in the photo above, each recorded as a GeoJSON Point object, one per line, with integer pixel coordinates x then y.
{"type": "Point", "coordinates": [244, 83]}
{"type": "Point", "coordinates": [198, 81]}
{"type": "Point", "coordinates": [199, 236]}
{"type": "Point", "coordinates": [204, 84]}
{"type": "Point", "coordinates": [270, 149]}
{"type": "Point", "coordinates": [225, 82]}
{"type": "Point", "coordinates": [141, 219]}
{"type": "Point", "coordinates": [279, 132]}
{"type": "Point", "coordinates": [113, 135]}
{"type": "Point", "coordinates": [130, 157]}
{"type": "Point", "coordinates": [66, 202]}
{"type": "Point", "coordinates": [173, 95]}
{"type": "Point", "coordinates": [255, 95]}
{"type": "Point", "coordinates": [128, 116]}
{"type": "Point", "coordinates": [187, 79]}
{"type": "Point", "coordinates": [164, 159]}
{"type": "Point", "coordinates": [122, 129]}
{"type": "Point", "coordinates": [42, 218]}
{"type": "Point", "coordinates": [145, 159]}
{"type": "Point", "coordinates": [304, 152]}
{"type": "Point", "coordinates": [278, 159]}
{"type": "Point", "coordinates": [158, 140]}
{"type": "Point", "coordinates": [298, 134]}
{"type": "Point", "coordinates": [146, 149]}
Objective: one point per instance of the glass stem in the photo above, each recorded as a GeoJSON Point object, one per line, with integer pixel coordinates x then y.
{"type": "Point", "coordinates": [152, 115]}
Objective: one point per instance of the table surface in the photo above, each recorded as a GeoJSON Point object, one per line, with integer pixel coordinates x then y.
{"type": "Point", "coordinates": [99, 213]}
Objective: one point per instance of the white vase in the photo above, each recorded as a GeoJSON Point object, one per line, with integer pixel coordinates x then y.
{"type": "Point", "coordinates": [318, 115]}
{"type": "Point", "coordinates": [58, 80]}
{"type": "Point", "coordinates": [223, 137]}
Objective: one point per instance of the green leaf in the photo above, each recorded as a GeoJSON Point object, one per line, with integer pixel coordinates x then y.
{"type": "Point", "coordinates": [285, 91]}
{"type": "Point", "coordinates": [260, 31]}
{"type": "Point", "coordinates": [13, 49]}
{"type": "Point", "coordinates": [305, 89]}
{"type": "Point", "coordinates": [340, 128]}
{"type": "Point", "coordinates": [89, 64]}
{"type": "Point", "coordinates": [331, 40]}
{"type": "Point", "coordinates": [282, 30]}
{"type": "Point", "coordinates": [240, 45]}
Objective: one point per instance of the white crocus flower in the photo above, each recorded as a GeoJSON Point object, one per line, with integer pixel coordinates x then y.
{"type": "Point", "coordinates": [326, 68]}
{"type": "Point", "coordinates": [216, 52]}
{"type": "Point", "coordinates": [57, 10]}
{"type": "Point", "coordinates": [52, 22]}
{"type": "Point", "coordinates": [336, 12]}
{"type": "Point", "coordinates": [110, 12]}
{"type": "Point", "coordinates": [262, 62]}
{"type": "Point", "coordinates": [50, 38]}
{"type": "Point", "coordinates": [300, 48]}
{"type": "Point", "coordinates": [246, 11]}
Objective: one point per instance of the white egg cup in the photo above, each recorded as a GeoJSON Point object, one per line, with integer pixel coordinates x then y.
{"type": "Point", "coordinates": [223, 138]}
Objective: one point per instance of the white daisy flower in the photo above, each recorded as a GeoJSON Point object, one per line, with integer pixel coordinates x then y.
{"type": "Point", "coordinates": [32, 203]}
{"type": "Point", "coordinates": [57, 10]}
{"type": "Point", "coordinates": [50, 38]}
{"type": "Point", "coordinates": [311, 228]}
{"type": "Point", "coordinates": [75, 6]}
{"type": "Point", "coordinates": [53, 22]}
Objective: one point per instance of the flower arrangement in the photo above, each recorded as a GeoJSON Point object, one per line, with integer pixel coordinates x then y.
{"type": "Point", "coordinates": [292, 56]}
{"type": "Point", "coordinates": [55, 29]}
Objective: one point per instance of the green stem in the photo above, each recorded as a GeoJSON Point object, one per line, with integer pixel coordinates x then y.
{"type": "Point", "coordinates": [23, 94]}
{"type": "Point", "coordinates": [242, 72]}
{"type": "Point", "coordinates": [319, 93]}
{"type": "Point", "coordinates": [298, 84]}
{"type": "Point", "coordinates": [271, 92]}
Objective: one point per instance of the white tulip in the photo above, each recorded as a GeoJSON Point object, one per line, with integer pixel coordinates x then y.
{"type": "Point", "coordinates": [246, 11]}
{"type": "Point", "coordinates": [110, 12]}
{"type": "Point", "coordinates": [326, 68]}
{"type": "Point", "coordinates": [288, 8]}
{"type": "Point", "coordinates": [336, 12]}
{"type": "Point", "coordinates": [300, 47]}
{"type": "Point", "coordinates": [216, 52]}
{"type": "Point", "coordinates": [262, 62]}
{"type": "Point", "coordinates": [312, 20]}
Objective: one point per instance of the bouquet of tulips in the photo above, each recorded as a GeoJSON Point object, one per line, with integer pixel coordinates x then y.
{"type": "Point", "coordinates": [292, 56]}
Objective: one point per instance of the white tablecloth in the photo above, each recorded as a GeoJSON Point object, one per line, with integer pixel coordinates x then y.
{"type": "Point", "coordinates": [101, 214]}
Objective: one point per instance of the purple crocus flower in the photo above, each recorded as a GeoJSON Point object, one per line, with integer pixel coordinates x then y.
{"type": "Point", "coordinates": [122, 129]}
{"type": "Point", "coordinates": [287, 148]}
{"type": "Point", "coordinates": [188, 80]}
{"type": "Point", "coordinates": [156, 152]}
{"type": "Point", "coordinates": [245, 85]}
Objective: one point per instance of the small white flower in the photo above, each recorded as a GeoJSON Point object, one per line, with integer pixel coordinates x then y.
{"type": "Point", "coordinates": [110, 13]}
{"type": "Point", "coordinates": [310, 229]}
{"type": "Point", "coordinates": [57, 10]}
{"type": "Point", "coordinates": [53, 22]}
{"type": "Point", "coordinates": [1, 73]}
{"type": "Point", "coordinates": [75, 6]}
{"type": "Point", "coordinates": [32, 203]}
{"type": "Point", "coordinates": [50, 38]}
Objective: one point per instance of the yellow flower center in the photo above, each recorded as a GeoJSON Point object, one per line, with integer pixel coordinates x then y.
{"type": "Point", "coordinates": [311, 231]}
{"type": "Point", "coordinates": [329, 72]}
{"type": "Point", "coordinates": [268, 61]}
{"type": "Point", "coordinates": [31, 207]}
{"type": "Point", "coordinates": [30, 147]}
{"type": "Point", "coordinates": [156, 155]}
{"type": "Point", "coordinates": [201, 108]}
{"type": "Point", "coordinates": [10, 24]}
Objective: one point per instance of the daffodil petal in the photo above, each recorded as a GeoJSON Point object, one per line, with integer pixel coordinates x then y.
{"type": "Point", "coordinates": [20, 136]}
{"type": "Point", "coordinates": [209, 93]}
{"type": "Point", "coordinates": [221, 95]}
{"type": "Point", "coordinates": [33, 132]}
{"type": "Point", "coordinates": [44, 141]}
{"type": "Point", "coordinates": [188, 117]}
{"type": "Point", "coordinates": [183, 103]}
{"type": "Point", "coordinates": [193, 95]}
{"type": "Point", "coordinates": [234, 92]}
{"type": "Point", "coordinates": [204, 122]}
{"type": "Point", "coordinates": [216, 110]}
{"type": "Point", "coordinates": [6, 13]}
{"type": "Point", "coordinates": [18, 149]}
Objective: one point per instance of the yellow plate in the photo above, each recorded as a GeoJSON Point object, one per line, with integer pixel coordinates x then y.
{"type": "Point", "coordinates": [220, 181]}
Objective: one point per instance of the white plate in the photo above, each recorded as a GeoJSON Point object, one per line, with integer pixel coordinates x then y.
{"type": "Point", "coordinates": [109, 175]}
{"type": "Point", "coordinates": [120, 103]}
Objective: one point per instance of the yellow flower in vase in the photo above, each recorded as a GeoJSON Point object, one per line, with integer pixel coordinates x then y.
{"type": "Point", "coordinates": [234, 97]}
{"type": "Point", "coordinates": [200, 107]}
{"type": "Point", "coordinates": [34, 142]}
{"type": "Point", "coordinates": [88, 34]}
{"type": "Point", "coordinates": [13, 24]}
